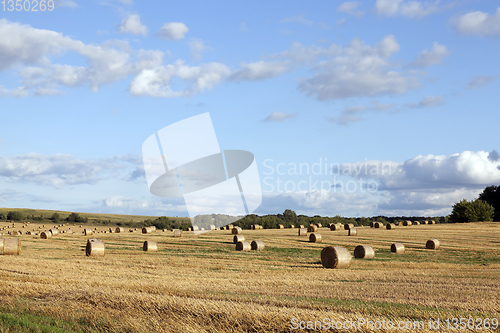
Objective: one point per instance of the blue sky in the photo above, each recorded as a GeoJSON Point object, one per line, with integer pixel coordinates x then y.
{"type": "Point", "coordinates": [400, 96]}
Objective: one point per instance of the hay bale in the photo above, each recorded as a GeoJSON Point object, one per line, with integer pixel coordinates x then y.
{"type": "Point", "coordinates": [69, 231]}
{"type": "Point", "coordinates": [28, 233]}
{"type": "Point", "coordinates": [119, 230]}
{"type": "Point", "coordinates": [16, 233]}
{"type": "Point", "coordinates": [222, 228]}
{"type": "Point", "coordinates": [212, 227]}
{"type": "Point", "coordinates": [335, 257]}
{"type": "Point", "coordinates": [352, 232]}
{"type": "Point", "coordinates": [302, 232]}
{"type": "Point", "coordinates": [390, 226]}
{"type": "Point", "coordinates": [398, 248]}
{"type": "Point", "coordinates": [432, 244]}
{"type": "Point", "coordinates": [88, 232]}
{"type": "Point", "coordinates": [243, 246]}
{"type": "Point", "coordinates": [301, 226]}
{"type": "Point", "coordinates": [46, 235]}
{"type": "Point", "coordinates": [54, 232]}
{"type": "Point", "coordinates": [416, 223]}
{"type": "Point", "coordinates": [336, 227]}
{"type": "Point", "coordinates": [378, 225]}
{"type": "Point", "coordinates": [229, 227]}
{"type": "Point", "coordinates": [147, 230]}
{"type": "Point", "coordinates": [372, 224]}
{"type": "Point", "coordinates": [238, 238]}
{"type": "Point", "coordinates": [280, 226]}
{"type": "Point", "coordinates": [312, 228]}
{"type": "Point", "coordinates": [348, 226]}
{"type": "Point", "coordinates": [292, 226]}
{"type": "Point", "coordinates": [94, 248]}
{"type": "Point", "coordinates": [130, 230]}
{"type": "Point", "coordinates": [257, 245]}
{"type": "Point", "coordinates": [177, 232]}
{"type": "Point", "coordinates": [236, 231]}
{"type": "Point", "coordinates": [149, 246]}
{"type": "Point", "coordinates": [315, 238]}
{"type": "Point", "coordinates": [407, 223]}
{"type": "Point", "coordinates": [425, 222]}
{"type": "Point", "coordinates": [319, 225]}
{"type": "Point", "coordinates": [10, 246]}
{"type": "Point", "coordinates": [432, 222]}
{"type": "Point", "coordinates": [364, 252]}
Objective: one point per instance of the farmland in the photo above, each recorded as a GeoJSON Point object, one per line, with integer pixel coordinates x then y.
{"type": "Point", "coordinates": [201, 284]}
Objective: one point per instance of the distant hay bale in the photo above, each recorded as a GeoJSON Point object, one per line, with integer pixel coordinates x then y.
{"type": "Point", "coordinates": [212, 227]}
{"type": "Point", "coordinates": [292, 226]}
{"type": "Point", "coordinates": [119, 230]}
{"type": "Point", "coordinates": [398, 248]}
{"type": "Point", "coordinates": [69, 231]}
{"type": "Point", "coordinates": [352, 232]}
{"type": "Point", "coordinates": [177, 232]}
{"type": "Point", "coordinates": [348, 226]}
{"type": "Point", "coordinates": [315, 238]}
{"type": "Point", "coordinates": [335, 257]}
{"type": "Point", "coordinates": [336, 227]}
{"type": "Point", "coordinates": [407, 223]}
{"type": "Point", "coordinates": [372, 224]}
{"type": "Point", "coordinates": [95, 248]}
{"type": "Point", "coordinates": [257, 245]}
{"type": "Point", "coordinates": [432, 244]}
{"type": "Point", "coordinates": [319, 225]}
{"type": "Point", "coordinates": [222, 228]}
{"type": "Point", "coordinates": [110, 230]}
{"type": "Point", "coordinates": [243, 246]}
{"type": "Point", "coordinates": [280, 226]}
{"type": "Point", "coordinates": [416, 222]}
{"type": "Point", "coordinates": [88, 232]}
{"type": "Point", "coordinates": [16, 233]}
{"type": "Point", "coordinates": [10, 246]}
{"type": "Point", "coordinates": [28, 233]}
{"type": "Point", "coordinates": [46, 235]}
{"type": "Point", "coordinates": [147, 230]}
{"type": "Point", "coordinates": [377, 225]}
{"type": "Point", "coordinates": [238, 238]}
{"type": "Point", "coordinates": [390, 226]}
{"type": "Point", "coordinates": [432, 222]}
{"type": "Point", "coordinates": [301, 226]}
{"type": "Point", "coordinates": [130, 230]}
{"type": "Point", "coordinates": [425, 222]}
{"type": "Point", "coordinates": [312, 228]}
{"type": "Point", "coordinates": [302, 232]}
{"type": "Point", "coordinates": [229, 227]}
{"type": "Point", "coordinates": [149, 246]}
{"type": "Point", "coordinates": [236, 231]}
{"type": "Point", "coordinates": [252, 227]}
{"type": "Point", "coordinates": [364, 252]}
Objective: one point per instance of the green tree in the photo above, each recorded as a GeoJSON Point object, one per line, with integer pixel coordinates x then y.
{"type": "Point", "coordinates": [55, 217]}
{"type": "Point", "coordinates": [16, 216]}
{"type": "Point", "coordinates": [290, 216]}
{"type": "Point", "coordinates": [75, 217]}
{"type": "Point", "coordinates": [471, 211]}
{"type": "Point", "coordinates": [491, 195]}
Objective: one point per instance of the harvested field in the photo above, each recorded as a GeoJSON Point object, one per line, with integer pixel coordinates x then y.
{"type": "Point", "coordinates": [202, 284]}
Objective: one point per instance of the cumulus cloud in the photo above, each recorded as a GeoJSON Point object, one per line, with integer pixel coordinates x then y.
{"type": "Point", "coordinates": [279, 116]}
{"type": "Point", "coordinates": [358, 70]}
{"type": "Point", "coordinates": [478, 24]}
{"type": "Point", "coordinates": [297, 19]}
{"type": "Point", "coordinates": [59, 170]}
{"type": "Point", "coordinates": [17, 92]}
{"type": "Point", "coordinates": [427, 102]}
{"type": "Point", "coordinates": [431, 57]}
{"type": "Point", "coordinates": [350, 7]}
{"type": "Point", "coordinates": [259, 70]}
{"type": "Point", "coordinates": [481, 81]}
{"type": "Point", "coordinates": [173, 31]}
{"type": "Point", "coordinates": [132, 25]}
{"type": "Point", "coordinates": [158, 82]}
{"type": "Point", "coordinates": [412, 9]}
{"type": "Point", "coordinates": [196, 46]}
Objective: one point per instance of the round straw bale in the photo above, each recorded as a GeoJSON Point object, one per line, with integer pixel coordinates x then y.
{"type": "Point", "coordinates": [146, 230]}
{"type": "Point", "coordinates": [312, 228]}
{"type": "Point", "coordinates": [54, 232]}
{"type": "Point", "coordinates": [378, 225]}
{"type": "Point", "coordinates": [69, 231]}
{"type": "Point", "coordinates": [119, 230]}
{"type": "Point", "coordinates": [95, 248]}
{"type": "Point", "coordinates": [149, 246]}
{"type": "Point", "coordinates": [238, 238]}
{"type": "Point", "coordinates": [236, 231]}
{"type": "Point", "coordinates": [425, 222]}
{"type": "Point", "coordinates": [397, 248]}
{"type": "Point", "coordinates": [319, 225]}
{"type": "Point", "coordinates": [243, 246]}
{"type": "Point", "coordinates": [416, 223]}
{"type": "Point", "coordinates": [302, 232]}
{"type": "Point", "coordinates": [352, 232]}
{"type": "Point", "coordinates": [335, 257]}
{"type": "Point", "coordinates": [212, 227]}
{"type": "Point", "coordinates": [407, 223]}
{"type": "Point", "coordinates": [432, 244]}
{"type": "Point", "coordinates": [364, 251]}
{"type": "Point", "coordinates": [177, 232]}
{"type": "Point", "coordinates": [280, 226]}
{"type": "Point", "coordinates": [372, 224]}
{"type": "Point", "coordinates": [16, 233]}
{"type": "Point", "coordinates": [257, 245]}
{"type": "Point", "coordinates": [292, 226]}
{"type": "Point", "coordinates": [252, 227]}
{"type": "Point", "coordinates": [87, 231]}
{"type": "Point", "coordinates": [11, 246]}
{"type": "Point", "coordinates": [229, 227]}
{"type": "Point", "coordinates": [28, 233]}
{"type": "Point", "coordinates": [432, 222]}
{"type": "Point", "coordinates": [130, 230]}
{"type": "Point", "coordinates": [390, 226]}
{"type": "Point", "coordinates": [348, 226]}
{"type": "Point", "coordinates": [45, 235]}
{"type": "Point", "coordinates": [315, 238]}
{"type": "Point", "coordinates": [222, 228]}
{"type": "Point", "coordinates": [301, 226]}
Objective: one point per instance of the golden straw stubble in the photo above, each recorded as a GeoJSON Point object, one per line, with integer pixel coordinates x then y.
{"type": "Point", "coordinates": [335, 257]}
{"type": "Point", "coordinates": [364, 252]}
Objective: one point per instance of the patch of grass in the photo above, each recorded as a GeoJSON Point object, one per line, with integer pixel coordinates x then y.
{"type": "Point", "coordinates": [20, 323]}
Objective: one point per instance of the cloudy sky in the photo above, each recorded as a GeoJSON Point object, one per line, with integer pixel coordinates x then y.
{"type": "Point", "coordinates": [358, 108]}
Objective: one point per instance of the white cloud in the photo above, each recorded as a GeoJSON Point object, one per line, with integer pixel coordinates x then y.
{"type": "Point", "coordinates": [358, 70]}
{"type": "Point", "coordinates": [350, 7]}
{"type": "Point", "coordinates": [297, 19]}
{"type": "Point", "coordinates": [132, 25]}
{"type": "Point", "coordinates": [259, 70]}
{"type": "Point", "coordinates": [412, 9]}
{"type": "Point", "coordinates": [196, 46]}
{"type": "Point", "coordinates": [279, 116]}
{"type": "Point", "coordinates": [18, 92]}
{"type": "Point", "coordinates": [173, 31]}
{"type": "Point", "coordinates": [478, 23]}
{"type": "Point", "coordinates": [428, 101]}
{"type": "Point", "coordinates": [428, 58]}
{"type": "Point", "coordinates": [480, 81]}
{"type": "Point", "coordinates": [157, 82]}
{"type": "Point", "coordinates": [65, 3]}
{"type": "Point", "coordinates": [120, 201]}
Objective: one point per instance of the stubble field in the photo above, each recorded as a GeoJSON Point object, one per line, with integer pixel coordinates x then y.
{"type": "Point", "coordinates": [201, 284]}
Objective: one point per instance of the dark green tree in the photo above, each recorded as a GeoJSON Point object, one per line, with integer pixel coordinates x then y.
{"type": "Point", "coordinates": [55, 217]}
{"type": "Point", "coordinates": [491, 195]}
{"type": "Point", "coordinates": [290, 216]}
{"type": "Point", "coordinates": [16, 216]}
{"type": "Point", "coordinates": [471, 211]}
